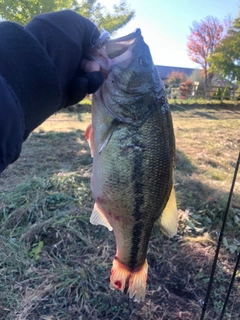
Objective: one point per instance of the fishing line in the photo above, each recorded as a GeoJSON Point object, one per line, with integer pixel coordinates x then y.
{"type": "Point", "coordinates": [204, 303]}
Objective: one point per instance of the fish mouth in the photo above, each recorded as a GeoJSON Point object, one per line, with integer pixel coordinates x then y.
{"type": "Point", "coordinates": [115, 48]}
{"type": "Point", "coordinates": [109, 53]}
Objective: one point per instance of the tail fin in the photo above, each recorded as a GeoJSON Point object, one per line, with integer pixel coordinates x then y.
{"type": "Point", "coordinates": [132, 282]}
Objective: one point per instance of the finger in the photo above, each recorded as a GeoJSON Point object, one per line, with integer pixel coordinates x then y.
{"type": "Point", "coordinates": [95, 80]}
{"type": "Point", "coordinates": [77, 91]}
{"type": "Point", "coordinates": [80, 87]}
{"type": "Point", "coordinates": [89, 66]}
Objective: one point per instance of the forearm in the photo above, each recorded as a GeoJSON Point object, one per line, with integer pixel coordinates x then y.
{"type": "Point", "coordinates": [29, 89]}
{"type": "Point", "coordinates": [30, 73]}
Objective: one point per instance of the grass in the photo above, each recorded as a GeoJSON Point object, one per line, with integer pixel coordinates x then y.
{"type": "Point", "coordinates": [55, 265]}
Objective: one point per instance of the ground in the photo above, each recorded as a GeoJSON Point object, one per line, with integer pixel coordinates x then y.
{"type": "Point", "coordinates": [55, 265]}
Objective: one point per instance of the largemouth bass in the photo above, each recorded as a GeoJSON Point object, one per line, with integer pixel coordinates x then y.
{"type": "Point", "coordinates": [133, 148]}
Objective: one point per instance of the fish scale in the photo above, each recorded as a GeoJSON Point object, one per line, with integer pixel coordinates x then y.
{"type": "Point", "coordinates": [133, 148]}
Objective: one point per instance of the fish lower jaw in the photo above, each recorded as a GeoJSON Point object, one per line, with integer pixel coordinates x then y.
{"type": "Point", "coordinates": [131, 282]}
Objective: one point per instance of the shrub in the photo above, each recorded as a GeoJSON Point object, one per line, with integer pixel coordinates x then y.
{"type": "Point", "coordinates": [186, 89]}
{"type": "Point", "coordinates": [226, 94]}
{"type": "Point", "coordinates": [218, 94]}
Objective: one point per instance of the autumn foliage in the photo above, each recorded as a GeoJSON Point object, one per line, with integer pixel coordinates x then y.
{"type": "Point", "coordinates": [203, 40]}
{"type": "Point", "coordinates": [176, 77]}
{"type": "Point", "coordinates": [186, 89]}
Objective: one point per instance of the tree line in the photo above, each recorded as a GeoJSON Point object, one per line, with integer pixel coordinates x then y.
{"type": "Point", "coordinates": [22, 11]}
{"type": "Point", "coordinates": [213, 44]}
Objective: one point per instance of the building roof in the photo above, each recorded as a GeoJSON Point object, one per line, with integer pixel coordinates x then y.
{"type": "Point", "coordinates": [164, 71]}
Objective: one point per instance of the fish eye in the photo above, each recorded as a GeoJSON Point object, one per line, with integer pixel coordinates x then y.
{"type": "Point", "coordinates": [143, 61]}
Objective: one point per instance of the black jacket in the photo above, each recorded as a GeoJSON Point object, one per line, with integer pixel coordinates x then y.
{"type": "Point", "coordinates": [24, 67]}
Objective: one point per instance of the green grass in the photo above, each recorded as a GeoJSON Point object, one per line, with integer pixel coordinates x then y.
{"type": "Point", "coordinates": [55, 265]}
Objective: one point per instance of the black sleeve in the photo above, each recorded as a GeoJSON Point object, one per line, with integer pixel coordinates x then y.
{"type": "Point", "coordinates": [30, 72]}
{"type": "Point", "coordinates": [29, 89]}
{"type": "Point", "coordinates": [11, 125]}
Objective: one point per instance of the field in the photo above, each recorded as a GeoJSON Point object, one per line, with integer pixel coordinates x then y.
{"type": "Point", "coordinates": [55, 265]}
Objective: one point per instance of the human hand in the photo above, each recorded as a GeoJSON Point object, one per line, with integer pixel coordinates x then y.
{"type": "Point", "coordinates": [65, 35]}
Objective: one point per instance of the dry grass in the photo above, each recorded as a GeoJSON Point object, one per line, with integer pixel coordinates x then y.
{"type": "Point", "coordinates": [55, 265]}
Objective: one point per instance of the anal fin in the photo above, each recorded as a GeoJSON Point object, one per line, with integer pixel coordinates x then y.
{"type": "Point", "coordinates": [168, 221]}
{"type": "Point", "coordinates": [98, 217]}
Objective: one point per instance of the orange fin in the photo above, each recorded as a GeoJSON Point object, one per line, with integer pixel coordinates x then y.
{"type": "Point", "coordinates": [98, 217]}
{"type": "Point", "coordinates": [132, 282]}
{"type": "Point", "coordinates": [89, 135]}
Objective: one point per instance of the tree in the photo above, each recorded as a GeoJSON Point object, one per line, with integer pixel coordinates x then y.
{"type": "Point", "coordinates": [226, 58]}
{"type": "Point", "coordinates": [204, 38]}
{"type": "Point", "coordinates": [197, 76]}
{"type": "Point", "coordinates": [111, 22]}
{"type": "Point", "coordinates": [21, 11]}
{"type": "Point", "coordinates": [176, 77]}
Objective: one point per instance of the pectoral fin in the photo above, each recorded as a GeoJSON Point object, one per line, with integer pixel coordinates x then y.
{"type": "Point", "coordinates": [168, 221]}
{"type": "Point", "coordinates": [98, 217]}
{"type": "Point", "coordinates": [89, 135]}
{"type": "Point", "coordinates": [108, 135]}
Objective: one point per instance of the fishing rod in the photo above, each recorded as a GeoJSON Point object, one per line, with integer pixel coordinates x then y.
{"type": "Point", "coordinates": [230, 287]}
{"type": "Point", "coordinates": [204, 303]}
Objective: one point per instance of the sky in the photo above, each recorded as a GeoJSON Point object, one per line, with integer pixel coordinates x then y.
{"type": "Point", "coordinates": [165, 25]}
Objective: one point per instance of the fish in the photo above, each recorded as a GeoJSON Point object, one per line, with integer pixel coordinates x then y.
{"type": "Point", "coordinates": [132, 143]}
